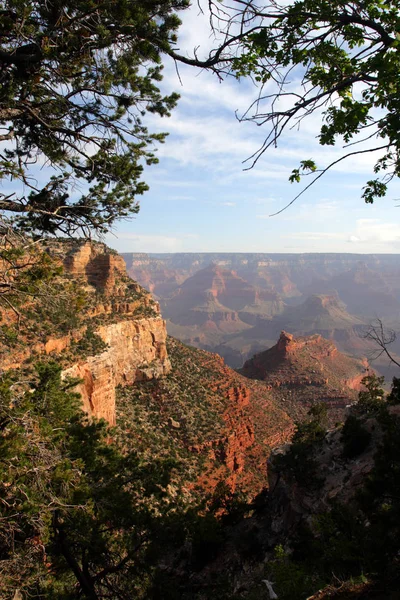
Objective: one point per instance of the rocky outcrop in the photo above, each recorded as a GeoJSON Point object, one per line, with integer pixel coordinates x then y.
{"type": "Point", "coordinates": [136, 347]}
{"type": "Point", "coordinates": [229, 421]}
{"type": "Point", "coordinates": [96, 265]}
{"type": "Point", "coordinates": [113, 308]}
{"type": "Point", "coordinates": [318, 348]}
{"type": "Point", "coordinates": [230, 449]}
{"type": "Point", "coordinates": [306, 370]}
{"type": "Point", "coordinates": [136, 352]}
{"type": "Point", "coordinates": [240, 426]}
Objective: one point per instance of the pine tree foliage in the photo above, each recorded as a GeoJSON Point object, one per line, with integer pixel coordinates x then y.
{"type": "Point", "coordinates": [336, 61]}
{"type": "Point", "coordinates": [356, 541]}
{"type": "Point", "coordinates": [78, 517]}
{"type": "Point", "coordinates": [77, 78]}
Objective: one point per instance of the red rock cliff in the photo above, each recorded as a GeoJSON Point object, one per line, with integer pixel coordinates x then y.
{"type": "Point", "coordinates": [308, 369]}
{"type": "Point", "coordinates": [119, 312]}
{"type": "Point", "coordinates": [136, 351]}
{"type": "Point", "coordinates": [136, 346]}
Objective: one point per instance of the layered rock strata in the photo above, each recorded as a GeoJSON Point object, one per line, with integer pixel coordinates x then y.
{"type": "Point", "coordinates": [117, 310]}
{"type": "Point", "coordinates": [136, 351]}
{"type": "Point", "coordinates": [306, 370]}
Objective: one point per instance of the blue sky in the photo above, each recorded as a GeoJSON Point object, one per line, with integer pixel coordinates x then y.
{"type": "Point", "coordinates": [201, 200]}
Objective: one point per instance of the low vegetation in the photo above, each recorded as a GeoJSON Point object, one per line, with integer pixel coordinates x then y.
{"type": "Point", "coordinates": [77, 514]}
{"type": "Point", "coordinates": [299, 462]}
{"type": "Point", "coordinates": [359, 541]}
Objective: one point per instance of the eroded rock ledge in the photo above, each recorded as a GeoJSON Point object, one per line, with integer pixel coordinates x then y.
{"type": "Point", "coordinates": [136, 346]}
{"type": "Point", "coordinates": [118, 311]}
{"type": "Point", "coordinates": [136, 351]}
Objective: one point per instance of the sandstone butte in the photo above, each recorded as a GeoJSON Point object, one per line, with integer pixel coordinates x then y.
{"type": "Point", "coordinates": [128, 321]}
{"type": "Point", "coordinates": [306, 370]}
{"type": "Point", "coordinates": [218, 298]}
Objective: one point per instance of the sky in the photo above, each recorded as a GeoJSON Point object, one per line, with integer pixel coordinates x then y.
{"type": "Point", "coordinates": [202, 200]}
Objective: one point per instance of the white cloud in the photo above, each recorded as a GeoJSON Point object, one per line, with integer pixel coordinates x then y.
{"type": "Point", "coordinates": [376, 232]}
{"type": "Point", "coordinates": [318, 212]}
{"type": "Point", "coordinates": [315, 236]}
{"type": "Point", "coordinates": [204, 123]}
{"type": "Point", "coordinates": [184, 198]}
{"type": "Point", "coordinates": [131, 242]}
{"type": "Point", "coordinates": [178, 184]}
{"type": "Point", "coordinates": [195, 32]}
{"type": "Point", "coordinates": [228, 203]}
{"type": "Point", "coordinates": [203, 91]}
{"type": "Point", "coordinates": [207, 142]}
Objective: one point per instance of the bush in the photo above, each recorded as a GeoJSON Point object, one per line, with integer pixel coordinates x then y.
{"type": "Point", "coordinates": [355, 437]}
{"type": "Point", "coordinates": [299, 462]}
{"type": "Point", "coordinates": [90, 344]}
{"type": "Point", "coordinates": [371, 401]}
{"type": "Point", "coordinates": [394, 396]}
{"type": "Point", "coordinates": [292, 581]}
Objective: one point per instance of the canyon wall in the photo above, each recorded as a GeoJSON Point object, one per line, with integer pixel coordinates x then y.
{"type": "Point", "coordinates": [136, 346]}
{"type": "Point", "coordinates": [136, 351]}
{"type": "Point", "coordinates": [116, 314]}
{"type": "Point", "coordinates": [236, 304]}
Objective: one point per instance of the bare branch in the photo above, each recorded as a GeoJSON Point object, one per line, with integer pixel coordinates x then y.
{"type": "Point", "coordinates": [383, 337]}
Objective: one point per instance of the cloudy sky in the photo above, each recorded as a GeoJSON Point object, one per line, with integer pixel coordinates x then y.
{"type": "Point", "coordinates": [202, 200]}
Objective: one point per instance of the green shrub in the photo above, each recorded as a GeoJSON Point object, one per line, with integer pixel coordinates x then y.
{"type": "Point", "coordinates": [394, 396]}
{"type": "Point", "coordinates": [292, 581]}
{"type": "Point", "coordinates": [90, 344]}
{"type": "Point", "coordinates": [371, 401]}
{"type": "Point", "coordinates": [355, 437]}
{"type": "Point", "coordinates": [9, 336]}
{"type": "Point", "coordinates": [299, 463]}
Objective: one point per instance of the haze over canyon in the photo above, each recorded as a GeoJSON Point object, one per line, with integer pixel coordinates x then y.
{"type": "Point", "coordinates": [236, 304]}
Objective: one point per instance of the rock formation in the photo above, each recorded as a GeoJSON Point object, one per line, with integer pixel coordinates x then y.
{"type": "Point", "coordinates": [366, 291]}
{"type": "Point", "coordinates": [120, 313]}
{"type": "Point", "coordinates": [335, 295]}
{"type": "Point", "coordinates": [225, 421]}
{"type": "Point", "coordinates": [289, 275]}
{"type": "Point", "coordinates": [136, 351]}
{"type": "Point", "coordinates": [96, 266]}
{"type": "Point", "coordinates": [136, 347]}
{"type": "Point", "coordinates": [306, 370]}
{"type": "Point", "coordinates": [218, 290]}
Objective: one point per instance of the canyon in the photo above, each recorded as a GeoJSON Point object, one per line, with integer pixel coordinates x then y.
{"type": "Point", "coordinates": [238, 455]}
{"type": "Point", "coordinates": [237, 304]}
{"type": "Point", "coordinates": [120, 342]}
{"type": "Point", "coordinates": [230, 420]}
{"type": "Point", "coordinates": [115, 346]}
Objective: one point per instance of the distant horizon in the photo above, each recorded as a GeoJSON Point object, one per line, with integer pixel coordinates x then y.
{"type": "Point", "coordinates": [260, 252]}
